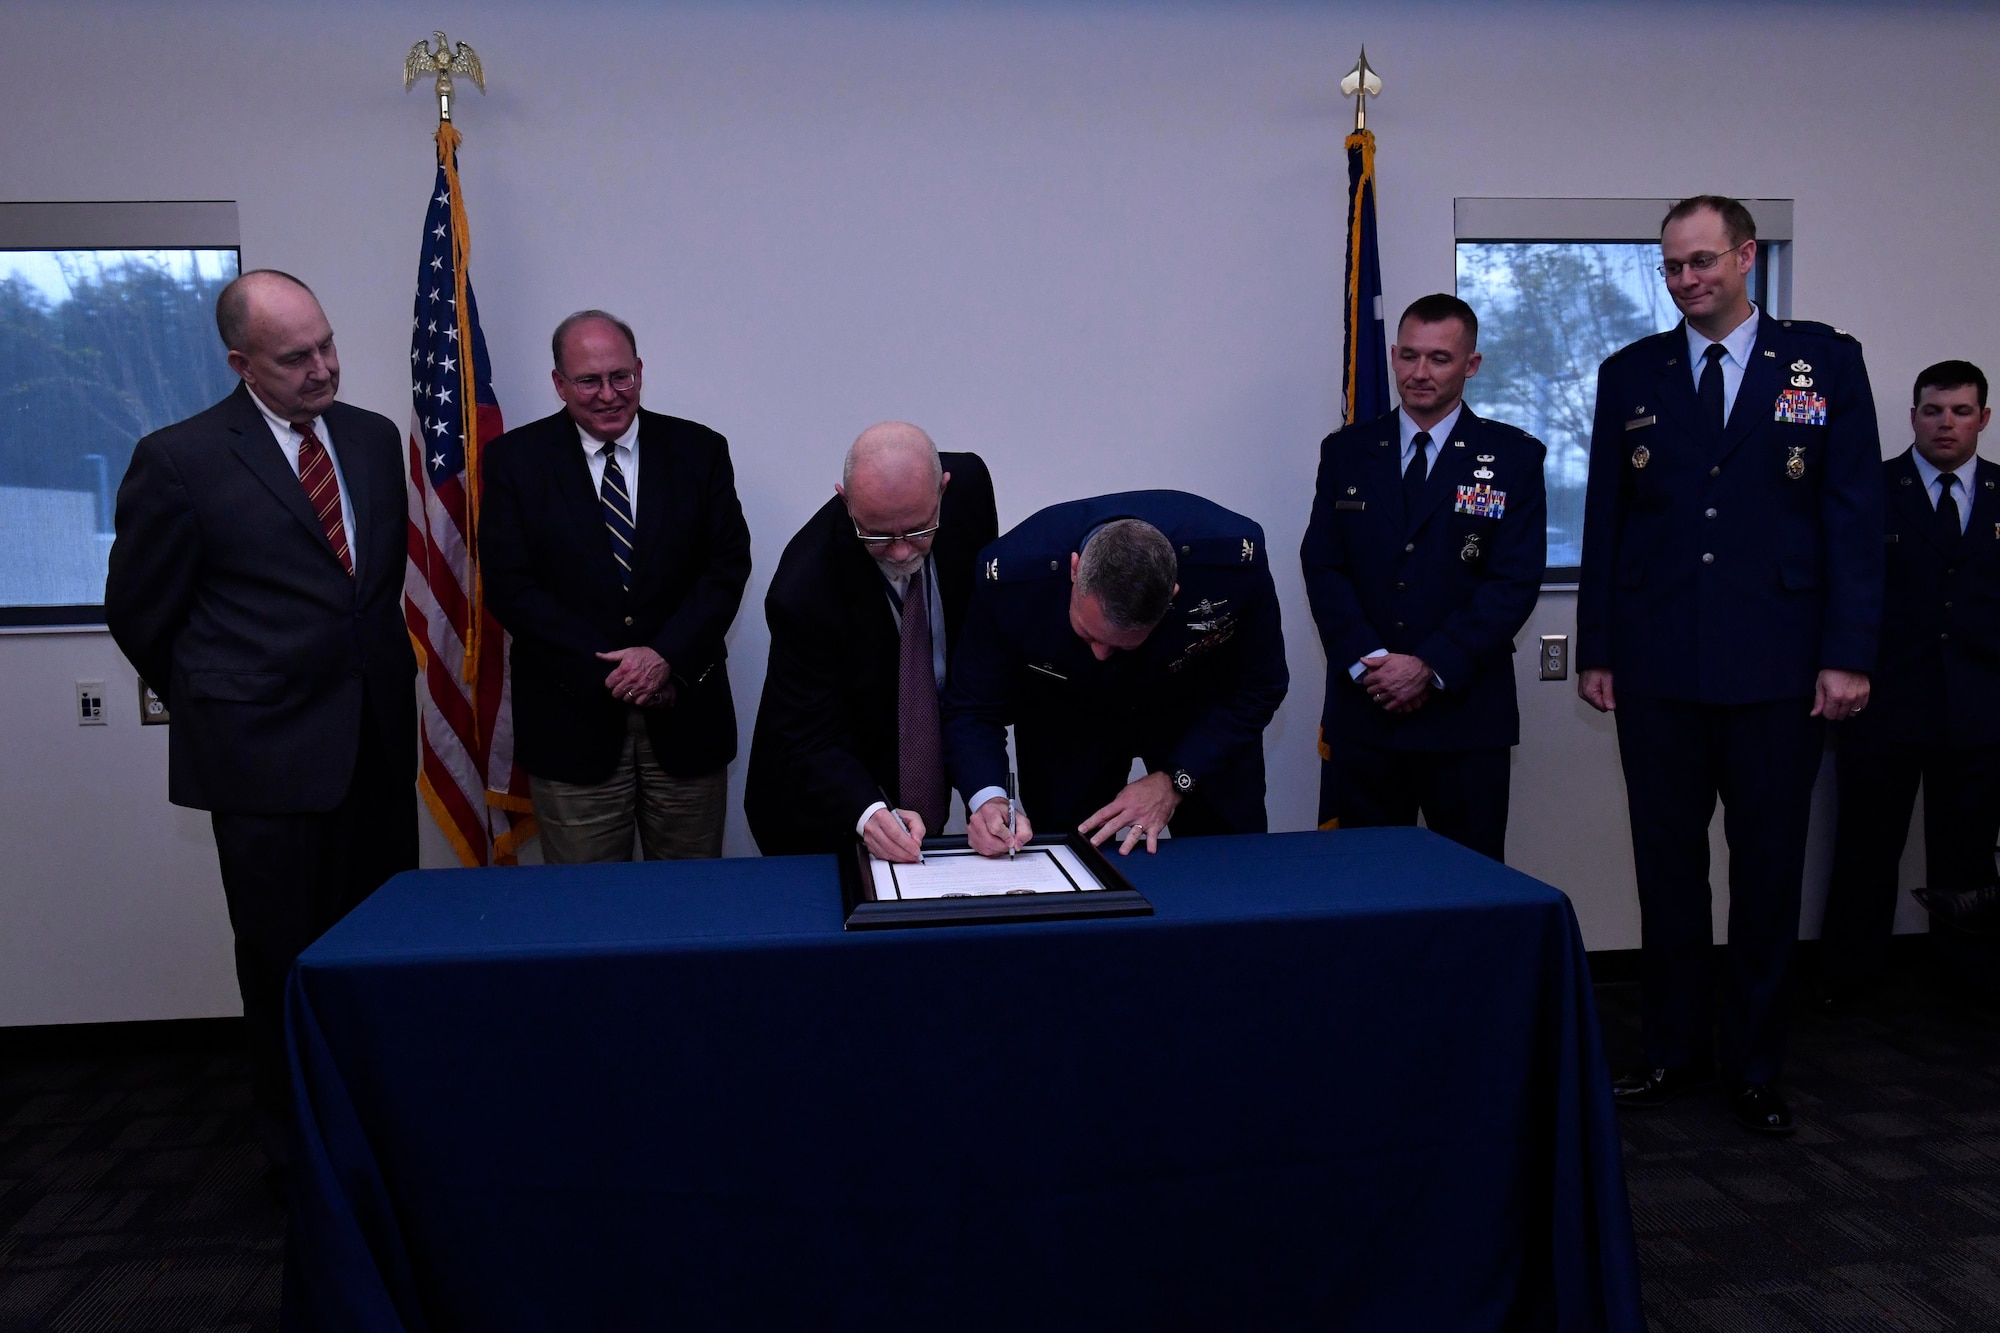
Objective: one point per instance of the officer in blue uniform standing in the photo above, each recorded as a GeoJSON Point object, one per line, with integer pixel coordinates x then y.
{"type": "Point", "coordinates": [1729, 607]}
{"type": "Point", "coordinates": [1931, 716]}
{"type": "Point", "coordinates": [1423, 559]}
{"type": "Point", "coordinates": [1139, 625]}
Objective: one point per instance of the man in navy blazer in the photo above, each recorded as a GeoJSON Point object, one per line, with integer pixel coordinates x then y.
{"type": "Point", "coordinates": [1934, 707]}
{"type": "Point", "coordinates": [256, 582]}
{"type": "Point", "coordinates": [1729, 607]}
{"type": "Point", "coordinates": [1139, 625]}
{"type": "Point", "coordinates": [1423, 559]}
{"type": "Point", "coordinates": [614, 551]}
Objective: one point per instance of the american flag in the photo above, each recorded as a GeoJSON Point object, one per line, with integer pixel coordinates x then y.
{"type": "Point", "coordinates": [465, 721]}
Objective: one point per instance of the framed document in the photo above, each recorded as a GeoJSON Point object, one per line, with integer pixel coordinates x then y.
{"type": "Point", "coordinates": [1056, 877]}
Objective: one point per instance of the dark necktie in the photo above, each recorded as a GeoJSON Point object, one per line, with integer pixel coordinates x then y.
{"type": "Point", "coordinates": [322, 485]}
{"type": "Point", "coordinates": [1415, 474]}
{"type": "Point", "coordinates": [617, 514]}
{"type": "Point", "coordinates": [1710, 391]}
{"type": "Point", "coordinates": [919, 741]}
{"type": "Point", "coordinates": [1947, 512]}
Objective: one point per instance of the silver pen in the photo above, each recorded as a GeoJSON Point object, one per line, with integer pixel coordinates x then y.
{"type": "Point", "coordinates": [897, 815]}
{"type": "Point", "coordinates": [1013, 805]}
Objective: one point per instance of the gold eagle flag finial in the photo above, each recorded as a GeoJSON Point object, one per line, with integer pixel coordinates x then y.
{"type": "Point", "coordinates": [443, 62]}
{"type": "Point", "coordinates": [1361, 83]}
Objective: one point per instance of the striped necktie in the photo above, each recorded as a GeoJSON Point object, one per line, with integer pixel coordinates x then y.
{"type": "Point", "coordinates": [322, 485]}
{"type": "Point", "coordinates": [617, 514]}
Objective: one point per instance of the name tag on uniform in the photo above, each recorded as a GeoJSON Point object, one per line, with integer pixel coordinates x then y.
{"type": "Point", "coordinates": [1481, 501]}
{"type": "Point", "coordinates": [1896, 537]}
{"type": "Point", "coordinates": [1356, 505]}
{"type": "Point", "coordinates": [1637, 422]}
{"type": "Point", "coordinates": [1801, 408]}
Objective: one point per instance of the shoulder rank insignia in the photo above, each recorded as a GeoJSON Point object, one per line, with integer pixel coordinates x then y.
{"type": "Point", "coordinates": [1800, 408]}
{"type": "Point", "coordinates": [1249, 550]}
{"type": "Point", "coordinates": [993, 569]}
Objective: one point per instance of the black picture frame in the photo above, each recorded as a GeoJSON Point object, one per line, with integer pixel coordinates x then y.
{"type": "Point", "coordinates": [864, 912]}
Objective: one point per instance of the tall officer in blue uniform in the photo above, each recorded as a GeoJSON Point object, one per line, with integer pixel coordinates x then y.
{"type": "Point", "coordinates": [1423, 559]}
{"type": "Point", "coordinates": [1729, 607]}
{"type": "Point", "coordinates": [1141, 625]}
{"type": "Point", "coordinates": [1934, 710]}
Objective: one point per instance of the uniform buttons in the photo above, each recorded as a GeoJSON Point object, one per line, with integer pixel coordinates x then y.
{"type": "Point", "coordinates": [1943, 637]}
{"type": "Point", "coordinates": [1186, 549]}
{"type": "Point", "coordinates": [1947, 606]}
{"type": "Point", "coordinates": [1708, 513]}
{"type": "Point", "coordinates": [1715, 471]}
{"type": "Point", "coordinates": [1397, 625]}
{"type": "Point", "coordinates": [628, 622]}
{"type": "Point", "coordinates": [1708, 557]}
{"type": "Point", "coordinates": [1409, 547]}
{"type": "Point", "coordinates": [1404, 587]}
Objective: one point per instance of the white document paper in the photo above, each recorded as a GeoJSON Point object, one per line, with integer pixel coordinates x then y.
{"type": "Point", "coordinates": [967, 874]}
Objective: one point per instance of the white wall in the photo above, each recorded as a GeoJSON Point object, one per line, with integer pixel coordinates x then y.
{"type": "Point", "coordinates": [1097, 242]}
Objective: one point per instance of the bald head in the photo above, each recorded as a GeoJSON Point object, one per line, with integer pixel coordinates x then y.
{"type": "Point", "coordinates": [280, 343]}
{"type": "Point", "coordinates": [260, 286]}
{"type": "Point", "coordinates": [893, 483]}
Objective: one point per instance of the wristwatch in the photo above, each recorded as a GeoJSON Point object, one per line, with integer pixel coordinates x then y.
{"type": "Point", "coordinates": [1183, 780]}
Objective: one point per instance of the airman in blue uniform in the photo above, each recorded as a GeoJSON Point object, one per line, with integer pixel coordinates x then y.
{"type": "Point", "coordinates": [1139, 625]}
{"type": "Point", "coordinates": [1423, 559]}
{"type": "Point", "coordinates": [1932, 715]}
{"type": "Point", "coordinates": [1732, 593]}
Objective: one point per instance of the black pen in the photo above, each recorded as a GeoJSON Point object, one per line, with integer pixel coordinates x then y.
{"type": "Point", "coordinates": [1012, 805]}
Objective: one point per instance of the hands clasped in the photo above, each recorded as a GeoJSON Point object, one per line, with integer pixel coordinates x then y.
{"type": "Point", "coordinates": [640, 678]}
{"type": "Point", "coordinates": [1396, 682]}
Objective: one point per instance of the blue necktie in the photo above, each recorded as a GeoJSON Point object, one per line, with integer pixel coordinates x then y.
{"type": "Point", "coordinates": [617, 514]}
{"type": "Point", "coordinates": [1709, 390]}
{"type": "Point", "coordinates": [1947, 511]}
{"type": "Point", "coordinates": [1415, 475]}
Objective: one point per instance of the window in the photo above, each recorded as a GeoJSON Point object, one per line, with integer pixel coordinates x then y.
{"type": "Point", "coordinates": [107, 332]}
{"type": "Point", "coordinates": [1560, 284]}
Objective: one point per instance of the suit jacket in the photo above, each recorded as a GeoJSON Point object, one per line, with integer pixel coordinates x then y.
{"type": "Point", "coordinates": [1198, 692]}
{"type": "Point", "coordinates": [825, 746]}
{"type": "Point", "coordinates": [1451, 583]}
{"type": "Point", "coordinates": [1937, 677]}
{"type": "Point", "coordinates": [226, 595]}
{"type": "Point", "coordinates": [553, 583]}
{"type": "Point", "coordinates": [1733, 570]}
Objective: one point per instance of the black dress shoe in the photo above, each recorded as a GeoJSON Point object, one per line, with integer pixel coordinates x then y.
{"type": "Point", "coordinates": [1645, 1088]}
{"type": "Point", "coordinates": [1761, 1110]}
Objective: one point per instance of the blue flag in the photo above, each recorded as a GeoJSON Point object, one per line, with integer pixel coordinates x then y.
{"type": "Point", "coordinates": [1364, 380]}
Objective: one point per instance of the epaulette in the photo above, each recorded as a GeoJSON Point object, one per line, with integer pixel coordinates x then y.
{"type": "Point", "coordinates": [1006, 567]}
{"type": "Point", "coordinates": [1240, 549]}
{"type": "Point", "coordinates": [1813, 326]}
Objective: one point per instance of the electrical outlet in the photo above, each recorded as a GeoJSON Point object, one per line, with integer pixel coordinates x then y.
{"type": "Point", "coordinates": [90, 703]}
{"type": "Point", "coordinates": [1555, 657]}
{"type": "Point", "coordinates": [152, 708]}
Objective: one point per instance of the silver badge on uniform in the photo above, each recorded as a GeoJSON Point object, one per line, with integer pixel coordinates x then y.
{"type": "Point", "coordinates": [1470, 551]}
{"type": "Point", "coordinates": [1483, 473]}
{"type": "Point", "coordinates": [1249, 550]}
{"type": "Point", "coordinates": [1795, 464]}
{"type": "Point", "coordinates": [993, 569]}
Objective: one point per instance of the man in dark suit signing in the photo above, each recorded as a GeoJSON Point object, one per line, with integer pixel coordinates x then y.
{"type": "Point", "coordinates": [1934, 706]}
{"type": "Point", "coordinates": [1423, 559]}
{"type": "Point", "coordinates": [864, 610]}
{"type": "Point", "coordinates": [256, 583]}
{"type": "Point", "coordinates": [615, 552]}
{"type": "Point", "coordinates": [1732, 590]}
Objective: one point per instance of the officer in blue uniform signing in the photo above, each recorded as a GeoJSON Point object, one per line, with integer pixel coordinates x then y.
{"type": "Point", "coordinates": [1931, 710]}
{"type": "Point", "coordinates": [1423, 559]}
{"type": "Point", "coordinates": [1140, 625]}
{"type": "Point", "coordinates": [1729, 607]}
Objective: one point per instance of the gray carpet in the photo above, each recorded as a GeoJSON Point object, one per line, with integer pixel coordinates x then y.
{"type": "Point", "coordinates": [132, 1196]}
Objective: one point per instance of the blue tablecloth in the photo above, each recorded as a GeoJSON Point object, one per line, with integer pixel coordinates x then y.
{"type": "Point", "coordinates": [1343, 1080]}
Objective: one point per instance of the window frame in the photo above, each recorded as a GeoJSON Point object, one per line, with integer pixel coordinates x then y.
{"type": "Point", "coordinates": [1577, 221]}
{"type": "Point", "coordinates": [127, 224]}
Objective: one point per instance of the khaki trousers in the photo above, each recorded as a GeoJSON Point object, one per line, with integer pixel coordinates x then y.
{"type": "Point", "coordinates": [676, 819]}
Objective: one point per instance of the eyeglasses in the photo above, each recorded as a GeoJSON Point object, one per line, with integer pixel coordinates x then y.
{"type": "Point", "coordinates": [621, 381]}
{"type": "Point", "coordinates": [1700, 263]}
{"type": "Point", "coordinates": [877, 540]}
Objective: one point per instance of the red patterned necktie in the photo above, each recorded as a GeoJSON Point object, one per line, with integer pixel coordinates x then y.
{"type": "Point", "coordinates": [323, 491]}
{"type": "Point", "coordinates": [919, 744]}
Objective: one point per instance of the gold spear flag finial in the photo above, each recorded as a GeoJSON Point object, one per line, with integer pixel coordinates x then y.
{"type": "Point", "coordinates": [1360, 84]}
{"type": "Point", "coordinates": [444, 62]}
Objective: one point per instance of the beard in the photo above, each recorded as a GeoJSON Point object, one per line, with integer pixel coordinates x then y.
{"type": "Point", "coordinates": [902, 569]}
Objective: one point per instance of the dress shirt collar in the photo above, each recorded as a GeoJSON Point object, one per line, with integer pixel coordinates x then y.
{"type": "Point", "coordinates": [1736, 343]}
{"type": "Point", "coordinates": [627, 443]}
{"type": "Point", "coordinates": [285, 432]}
{"type": "Point", "coordinates": [1438, 433]}
{"type": "Point", "coordinates": [1929, 473]}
